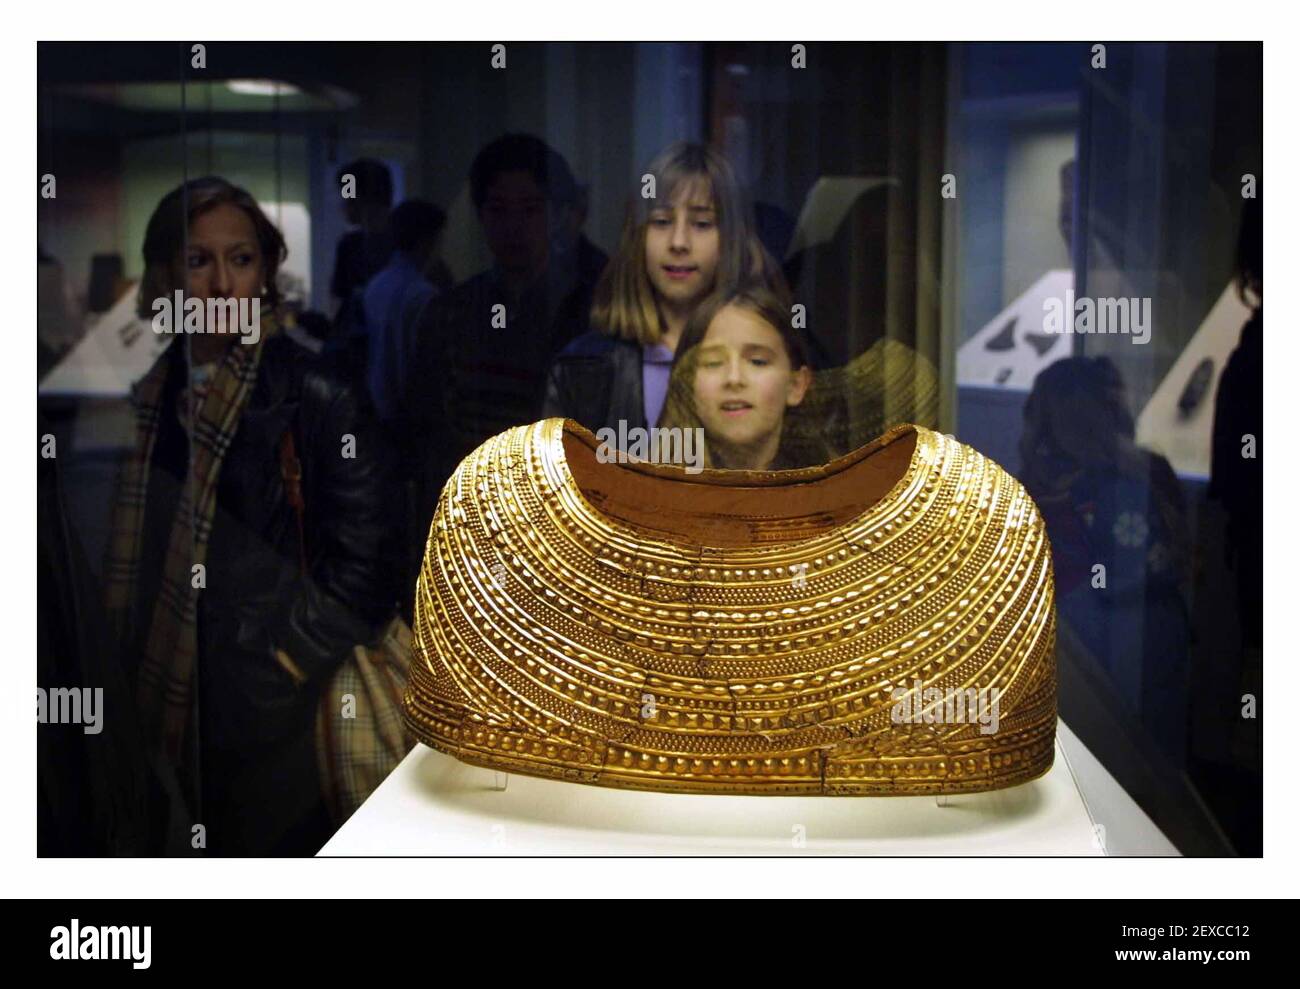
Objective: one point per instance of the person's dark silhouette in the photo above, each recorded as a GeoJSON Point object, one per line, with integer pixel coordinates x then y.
{"type": "Point", "coordinates": [1108, 502]}
{"type": "Point", "coordinates": [395, 297]}
{"type": "Point", "coordinates": [482, 351]}
{"type": "Point", "coordinates": [364, 250]}
{"type": "Point", "coordinates": [1236, 467]}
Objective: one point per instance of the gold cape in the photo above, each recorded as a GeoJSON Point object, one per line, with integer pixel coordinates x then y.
{"type": "Point", "coordinates": [810, 631]}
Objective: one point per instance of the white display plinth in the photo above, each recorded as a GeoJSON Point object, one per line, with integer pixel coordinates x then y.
{"type": "Point", "coordinates": [433, 804]}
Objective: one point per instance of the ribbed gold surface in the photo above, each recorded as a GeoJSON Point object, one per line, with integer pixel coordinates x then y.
{"type": "Point", "coordinates": [554, 640]}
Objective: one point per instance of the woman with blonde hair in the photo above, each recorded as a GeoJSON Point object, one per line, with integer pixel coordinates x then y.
{"type": "Point", "coordinates": [252, 539]}
{"type": "Point", "coordinates": [689, 231]}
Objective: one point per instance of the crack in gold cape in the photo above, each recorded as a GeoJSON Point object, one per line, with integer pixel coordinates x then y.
{"type": "Point", "coordinates": [561, 639]}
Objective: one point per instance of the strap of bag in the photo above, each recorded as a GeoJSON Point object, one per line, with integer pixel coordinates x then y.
{"type": "Point", "coordinates": [291, 472]}
{"type": "Point", "coordinates": [339, 788]}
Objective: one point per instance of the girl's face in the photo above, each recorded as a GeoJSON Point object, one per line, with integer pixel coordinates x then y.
{"type": "Point", "coordinates": [223, 259]}
{"type": "Point", "coordinates": [682, 245]}
{"type": "Point", "coordinates": [744, 382]}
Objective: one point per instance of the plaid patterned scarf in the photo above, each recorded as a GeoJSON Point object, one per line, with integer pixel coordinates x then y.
{"type": "Point", "coordinates": [165, 677]}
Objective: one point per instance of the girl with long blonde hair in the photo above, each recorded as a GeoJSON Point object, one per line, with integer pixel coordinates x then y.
{"type": "Point", "coordinates": [688, 232]}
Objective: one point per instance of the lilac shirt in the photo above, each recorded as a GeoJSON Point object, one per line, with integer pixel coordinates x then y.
{"type": "Point", "coordinates": [656, 369]}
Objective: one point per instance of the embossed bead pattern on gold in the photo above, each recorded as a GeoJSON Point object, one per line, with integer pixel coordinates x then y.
{"type": "Point", "coordinates": [556, 641]}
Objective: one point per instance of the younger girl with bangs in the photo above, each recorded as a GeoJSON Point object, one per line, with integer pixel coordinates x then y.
{"type": "Point", "coordinates": [688, 234]}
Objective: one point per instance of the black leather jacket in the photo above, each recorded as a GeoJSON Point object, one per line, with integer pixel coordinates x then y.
{"type": "Point", "coordinates": [597, 380]}
{"type": "Point", "coordinates": [256, 597]}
